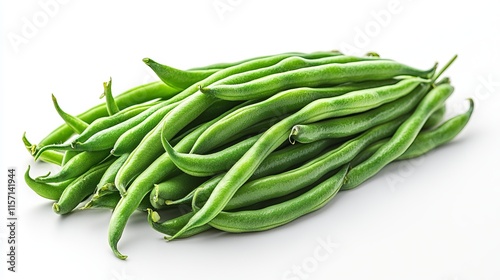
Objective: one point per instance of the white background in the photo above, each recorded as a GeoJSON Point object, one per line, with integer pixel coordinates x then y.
{"type": "Point", "coordinates": [433, 218]}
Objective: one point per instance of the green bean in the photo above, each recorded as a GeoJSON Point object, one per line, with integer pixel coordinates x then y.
{"type": "Point", "coordinates": [107, 138]}
{"type": "Point", "coordinates": [177, 78]}
{"type": "Point", "coordinates": [435, 118]}
{"type": "Point", "coordinates": [79, 189]}
{"type": "Point", "coordinates": [401, 140]}
{"type": "Point", "coordinates": [76, 166]}
{"type": "Point", "coordinates": [305, 175]}
{"type": "Point", "coordinates": [111, 105]}
{"type": "Point", "coordinates": [73, 122]}
{"type": "Point", "coordinates": [173, 188]}
{"type": "Point", "coordinates": [350, 103]}
{"type": "Point", "coordinates": [281, 213]}
{"type": "Point", "coordinates": [49, 156]}
{"type": "Point", "coordinates": [426, 140]}
{"type": "Point", "coordinates": [156, 172]}
{"type": "Point", "coordinates": [429, 140]}
{"type": "Point", "coordinates": [349, 125]}
{"type": "Point", "coordinates": [329, 74]}
{"type": "Point", "coordinates": [288, 64]}
{"type": "Point", "coordinates": [131, 138]}
{"type": "Point", "coordinates": [170, 227]}
{"type": "Point", "coordinates": [229, 64]}
{"type": "Point", "coordinates": [276, 162]}
{"type": "Point", "coordinates": [103, 123]}
{"type": "Point", "coordinates": [190, 108]}
{"type": "Point", "coordinates": [45, 190]}
{"type": "Point", "coordinates": [282, 103]}
{"type": "Point", "coordinates": [131, 97]}
{"type": "Point", "coordinates": [211, 164]}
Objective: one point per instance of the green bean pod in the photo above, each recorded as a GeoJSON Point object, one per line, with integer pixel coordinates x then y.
{"type": "Point", "coordinates": [349, 125]}
{"type": "Point", "coordinates": [49, 156]}
{"type": "Point", "coordinates": [211, 164]}
{"type": "Point", "coordinates": [281, 213]}
{"type": "Point", "coordinates": [426, 140]}
{"type": "Point", "coordinates": [288, 64]}
{"type": "Point", "coordinates": [103, 123]}
{"type": "Point", "coordinates": [111, 105]}
{"type": "Point", "coordinates": [73, 122]}
{"type": "Point", "coordinates": [170, 227]}
{"type": "Point", "coordinates": [282, 103]}
{"type": "Point", "coordinates": [329, 74]}
{"type": "Point", "coordinates": [276, 162]}
{"type": "Point", "coordinates": [173, 189]}
{"type": "Point", "coordinates": [76, 166]}
{"type": "Point", "coordinates": [401, 140]}
{"type": "Point", "coordinates": [45, 190]}
{"type": "Point", "coordinates": [79, 189]}
{"type": "Point", "coordinates": [224, 65]}
{"type": "Point", "coordinates": [177, 78]}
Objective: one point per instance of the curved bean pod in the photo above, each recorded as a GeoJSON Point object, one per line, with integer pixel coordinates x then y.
{"type": "Point", "coordinates": [177, 78]}
{"type": "Point", "coordinates": [210, 164]}
{"type": "Point", "coordinates": [349, 125]}
{"type": "Point", "coordinates": [111, 105]}
{"type": "Point", "coordinates": [329, 74]}
{"type": "Point", "coordinates": [49, 191]}
{"type": "Point", "coordinates": [281, 213]}
{"type": "Point", "coordinates": [49, 156]}
{"type": "Point", "coordinates": [426, 140]}
{"type": "Point", "coordinates": [276, 162]}
{"type": "Point", "coordinates": [224, 65]}
{"type": "Point", "coordinates": [170, 227]}
{"type": "Point", "coordinates": [282, 103]}
{"type": "Point", "coordinates": [79, 189]}
{"type": "Point", "coordinates": [73, 122]}
{"type": "Point", "coordinates": [76, 166]}
{"type": "Point", "coordinates": [288, 64]}
{"type": "Point", "coordinates": [401, 140]}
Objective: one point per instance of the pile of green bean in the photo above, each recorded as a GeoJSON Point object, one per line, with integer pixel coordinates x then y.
{"type": "Point", "coordinates": [243, 146]}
